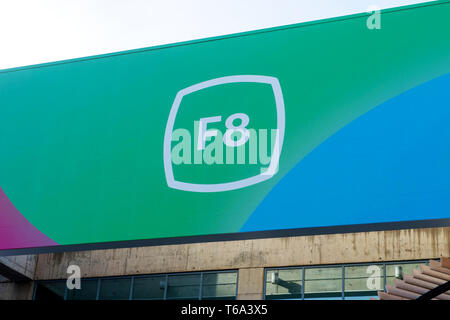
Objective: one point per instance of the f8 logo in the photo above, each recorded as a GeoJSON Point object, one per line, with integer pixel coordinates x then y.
{"type": "Point", "coordinates": [231, 128]}
{"type": "Point", "coordinates": [204, 133]}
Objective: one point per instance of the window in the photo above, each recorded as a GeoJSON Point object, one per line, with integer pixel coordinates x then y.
{"type": "Point", "coordinates": [396, 271]}
{"type": "Point", "coordinates": [194, 285]}
{"type": "Point", "coordinates": [115, 289]}
{"type": "Point", "coordinates": [186, 286]}
{"type": "Point", "coordinates": [363, 282]}
{"type": "Point", "coordinates": [50, 290]}
{"type": "Point", "coordinates": [219, 285]}
{"type": "Point", "coordinates": [323, 283]}
{"type": "Point", "coordinates": [88, 290]}
{"type": "Point", "coordinates": [149, 287]}
{"type": "Point", "coordinates": [349, 282]}
{"type": "Point", "coordinates": [284, 284]}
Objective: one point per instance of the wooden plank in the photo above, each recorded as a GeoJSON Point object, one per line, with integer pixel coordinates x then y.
{"type": "Point", "coordinates": [402, 293]}
{"type": "Point", "coordinates": [435, 274]}
{"type": "Point", "coordinates": [443, 297]}
{"type": "Point", "coordinates": [445, 262]}
{"type": "Point", "coordinates": [400, 284]}
{"type": "Point", "coordinates": [424, 277]}
{"type": "Point", "coordinates": [420, 283]}
{"type": "Point", "coordinates": [386, 296]}
{"type": "Point", "coordinates": [436, 266]}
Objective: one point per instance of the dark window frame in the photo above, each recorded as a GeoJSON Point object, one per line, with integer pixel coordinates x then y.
{"type": "Point", "coordinates": [133, 277]}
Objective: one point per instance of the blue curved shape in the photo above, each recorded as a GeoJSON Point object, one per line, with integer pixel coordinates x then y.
{"type": "Point", "coordinates": [391, 164]}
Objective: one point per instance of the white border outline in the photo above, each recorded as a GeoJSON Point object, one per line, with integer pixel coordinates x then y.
{"type": "Point", "coordinates": [218, 187]}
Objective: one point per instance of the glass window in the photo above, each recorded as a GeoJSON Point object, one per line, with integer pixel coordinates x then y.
{"type": "Point", "coordinates": [185, 286]}
{"type": "Point", "coordinates": [363, 282]}
{"type": "Point", "coordinates": [284, 284]}
{"type": "Point", "coordinates": [323, 283]}
{"type": "Point", "coordinates": [219, 285]}
{"type": "Point", "coordinates": [396, 271]}
{"type": "Point", "coordinates": [115, 289]}
{"type": "Point", "coordinates": [50, 290]}
{"type": "Point", "coordinates": [88, 290]}
{"type": "Point", "coordinates": [149, 287]}
{"type": "Point", "coordinates": [214, 285]}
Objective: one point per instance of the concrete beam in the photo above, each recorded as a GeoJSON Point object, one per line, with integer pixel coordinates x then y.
{"type": "Point", "coordinates": [18, 268]}
{"type": "Point", "coordinates": [360, 247]}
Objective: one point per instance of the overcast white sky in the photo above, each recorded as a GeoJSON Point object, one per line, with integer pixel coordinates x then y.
{"type": "Point", "coordinates": [37, 31]}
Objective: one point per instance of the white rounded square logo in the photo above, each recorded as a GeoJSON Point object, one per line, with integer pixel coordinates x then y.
{"type": "Point", "coordinates": [204, 133]}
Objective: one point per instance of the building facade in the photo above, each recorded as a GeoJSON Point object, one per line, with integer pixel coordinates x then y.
{"type": "Point", "coordinates": [333, 266]}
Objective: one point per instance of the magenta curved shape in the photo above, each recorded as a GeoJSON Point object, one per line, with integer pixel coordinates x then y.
{"type": "Point", "coordinates": [16, 232]}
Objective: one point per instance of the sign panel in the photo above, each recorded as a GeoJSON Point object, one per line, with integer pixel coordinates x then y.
{"type": "Point", "coordinates": [329, 126]}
